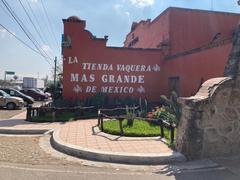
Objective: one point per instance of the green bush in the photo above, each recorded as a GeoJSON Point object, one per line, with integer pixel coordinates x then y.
{"type": "Point", "coordinates": [99, 100]}
{"type": "Point", "coordinates": [172, 106]}
{"type": "Point", "coordinates": [61, 117]}
{"type": "Point", "coordinates": [162, 113]}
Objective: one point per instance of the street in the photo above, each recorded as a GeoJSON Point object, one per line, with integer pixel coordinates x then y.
{"type": "Point", "coordinates": [23, 157]}
{"type": "Point", "coordinates": [6, 114]}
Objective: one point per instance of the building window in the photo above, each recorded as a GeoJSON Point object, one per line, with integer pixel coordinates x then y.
{"type": "Point", "coordinates": [133, 42]}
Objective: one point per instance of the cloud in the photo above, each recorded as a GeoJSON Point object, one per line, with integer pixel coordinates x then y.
{"type": "Point", "coordinates": [117, 7]}
{"type": "Point", "coordinates": [47, 49]}
{"type": "Point", "coordinates": [142, 3]}
{"type": "Point", "coordinates": [34, 1]}
{"type": "Point", "coordinates": [127, 13]}
{"type": "Point", "coordinates": [5, 34]}
{"type": "Point", "coordinates": [120, 9]}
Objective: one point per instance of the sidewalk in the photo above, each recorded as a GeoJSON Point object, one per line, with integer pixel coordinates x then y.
{"type": "Point", "coordinates": [83, 139]}
{"type": "Point", "coordinates": [18, 122]}
{"type": "Point", "coordinates": [86, 134]}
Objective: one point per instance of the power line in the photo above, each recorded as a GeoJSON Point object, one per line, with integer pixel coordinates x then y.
{"type": "Point", "coordinates": [5, 11]}
{"type": "Point", "coordinates": [46, 26]}
{"type": "Point", "coordinates": [20, 40]}
{"type": "Point", "coordinates": [37, 22]}
{"type": "Point", "coordinates": [30, 19]}
{"type": "Point", "coordinates": [23, 27]}
{"type": "Point", "coordinates": [26, 32]}
{"type": "Point", "coordinates": [48, 21]}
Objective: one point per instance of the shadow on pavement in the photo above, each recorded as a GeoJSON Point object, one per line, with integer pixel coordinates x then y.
{"type": "Point", "coordinates": [13, 122]}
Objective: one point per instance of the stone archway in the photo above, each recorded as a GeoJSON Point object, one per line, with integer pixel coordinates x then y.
{"type": "Point", "coordinates": [210, 122]}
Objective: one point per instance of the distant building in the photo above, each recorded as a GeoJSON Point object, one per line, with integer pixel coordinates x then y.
{"type": "Point", "coordinates": [30, 82]}
{"type": "Point", "coordinates": [176, 51]}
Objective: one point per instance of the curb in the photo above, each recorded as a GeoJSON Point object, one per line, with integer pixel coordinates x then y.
{"type": "Point", "coordinates": [114, 157]}
{"type": "Point", "coordinates": [24, 131]}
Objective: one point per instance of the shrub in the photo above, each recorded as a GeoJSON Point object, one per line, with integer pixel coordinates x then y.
{"type": "Point", "coordinates": [61, 102]}
{"type": "Point", "coordinates": [171, 105]}
{"type": "Point", "coordinates": [99, 100]}
{"type": "Point", "coordinates": [162, 113]}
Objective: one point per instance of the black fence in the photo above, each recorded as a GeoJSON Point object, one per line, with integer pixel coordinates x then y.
{"type": "Point", "coordinates": [119, 116]}
{"type": "Point", "coordinates": [78, 112]}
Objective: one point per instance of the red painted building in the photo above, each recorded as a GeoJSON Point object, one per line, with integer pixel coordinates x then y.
{"type": "Point", "coordinates": [178, 50]}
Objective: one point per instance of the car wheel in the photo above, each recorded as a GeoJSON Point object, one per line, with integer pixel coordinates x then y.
{"type": "Point", "coordinates": [11, 106]}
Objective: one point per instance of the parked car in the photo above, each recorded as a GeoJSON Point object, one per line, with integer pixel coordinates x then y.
{"type": "Point", "coordinates": [41, 91]}
{"type": "Point", "coordinates": [34, 94]}
{"type": "Point", "coordinates": [13, 92]}
{"type": "Point", "coordinates": [10, 102]}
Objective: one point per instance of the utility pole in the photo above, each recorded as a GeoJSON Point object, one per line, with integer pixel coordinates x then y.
{"type": "Point", "coordinates": [54, 81]}
{"type": "Point", "coordinates": [5, 76]}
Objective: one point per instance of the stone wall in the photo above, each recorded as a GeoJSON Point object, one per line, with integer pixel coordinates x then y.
{"type": "Point", "coordinates": [210, 122]}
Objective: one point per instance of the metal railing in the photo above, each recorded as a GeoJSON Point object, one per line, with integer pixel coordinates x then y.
{"type": "Point", "coordinates": [120, 118]}
{"type": "Point", "coordinates": [54, 111]}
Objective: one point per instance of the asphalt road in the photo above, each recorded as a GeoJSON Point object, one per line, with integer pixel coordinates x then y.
{"type": "Point", "coordinates": [6, 114]}
{"type": "Point", "coordinates": [26, 158]}
{"type": "Point", "coordinates": [14, 172]}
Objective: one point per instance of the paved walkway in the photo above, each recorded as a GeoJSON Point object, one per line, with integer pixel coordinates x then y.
{"type": "Point", "coordinates": [84, 133]}
{"type": "Point", "coordinates": [18, 122]}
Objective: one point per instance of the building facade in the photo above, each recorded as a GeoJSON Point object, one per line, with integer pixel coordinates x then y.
{"type": "Point", "coordinates": [177, 51]}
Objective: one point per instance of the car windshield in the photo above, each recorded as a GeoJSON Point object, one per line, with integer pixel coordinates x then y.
{"type": "Point", "coordinates": [5, 94]}
{"type": "Point", "coordinates": [39, 90]}
{"type": "Point", "coordinates": [34, 90]}
{"type": "Point", "coordinates": [19, 93]}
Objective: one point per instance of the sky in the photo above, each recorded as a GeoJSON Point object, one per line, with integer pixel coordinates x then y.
{"type": "Point", "coordinates": [103, 17]}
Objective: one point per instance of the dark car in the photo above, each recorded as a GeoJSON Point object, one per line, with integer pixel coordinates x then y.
{"type": "Point", "coordinates": [13, 92]}
{"type": "Point", "coordinates": [34, 94]}
{"type": "Point", "coordinates": [41, 91]}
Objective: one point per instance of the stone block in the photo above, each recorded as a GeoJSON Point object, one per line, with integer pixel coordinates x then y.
{"type": "Point", "coordinates": [238, 110]}
{"type": "Point", "coordinates": [231, 114]}
{"type": "Point", "coordinates": [218, 148]}
{"type": "Point", "coordinates": [211, 134]}
{"type": "Point", "coordinates": [212, 127]}
{"type": "Point", "coordinates": [224, 128]}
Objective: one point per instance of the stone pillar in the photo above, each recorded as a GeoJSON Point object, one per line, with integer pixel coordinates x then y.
{"type": "Point", "coordinates": [210, 121]}
{"type": "Point", "coordinates": [232, 66]}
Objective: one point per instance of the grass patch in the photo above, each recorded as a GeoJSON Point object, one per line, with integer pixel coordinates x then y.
{"type": "Point", "coordinates": [64, 116]}
{"type": "Point", "coordinates": [139, 129]}
{"type": "Point", "coordinates": [68, 116]}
